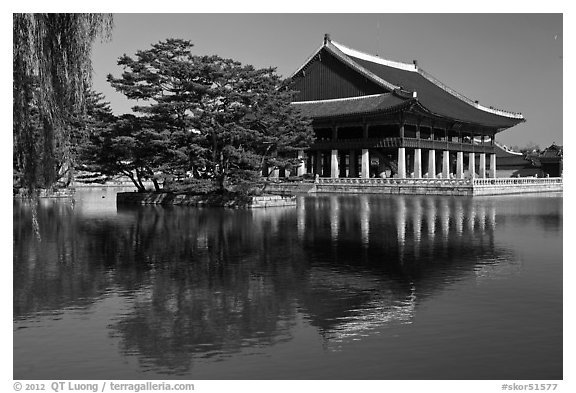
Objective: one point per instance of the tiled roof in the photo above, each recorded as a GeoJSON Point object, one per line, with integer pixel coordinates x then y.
{"type": "Point", "coordinates": [431, 94]}
{"type": "Point", "coordinates": [351, 106]}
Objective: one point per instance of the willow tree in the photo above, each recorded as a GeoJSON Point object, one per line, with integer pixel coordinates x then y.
{"type": "Point", "coordinates": [51, 73]}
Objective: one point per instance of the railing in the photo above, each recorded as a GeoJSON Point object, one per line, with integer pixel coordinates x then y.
{"type": "Point", "coordinates": [506, 181]}
{"type": "Point", "coordinates": [395, 182]}
{"type": "Point", "coordinates": [431, 182]}
{"type": "Point", "coordinates": [394, 142]}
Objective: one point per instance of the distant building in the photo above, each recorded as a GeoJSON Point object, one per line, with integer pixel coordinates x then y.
{"type": "Point", "coordinates": [515, 164]}
{"type": "Point", "coordinates": [365, 107]}
{"type": "Point", "coordinates": [551, 160]}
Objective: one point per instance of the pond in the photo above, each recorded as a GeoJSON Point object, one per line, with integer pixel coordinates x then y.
{"type": "Point", "coordinates": [338, 287]}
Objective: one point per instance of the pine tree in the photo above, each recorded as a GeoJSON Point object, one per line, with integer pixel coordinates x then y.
{"type": "Point", "coordinates": [221, 118]}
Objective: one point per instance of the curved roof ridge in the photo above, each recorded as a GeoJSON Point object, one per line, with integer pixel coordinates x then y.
{"type": "Point", "coordinates": [375, 59]}
{"type": "Point", "coordinates": [500, 112]}
{"type": "Point", "coordinates": [343, 98]}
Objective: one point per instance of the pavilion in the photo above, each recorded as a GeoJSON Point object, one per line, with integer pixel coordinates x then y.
{"type": "Point", "coordinates": [380, 118]}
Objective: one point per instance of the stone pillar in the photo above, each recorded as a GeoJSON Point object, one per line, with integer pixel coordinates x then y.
{"type": "Point", "coordinates": [352, 170]}
{"type": "Point", "coordinates": [302, 167]}
{"type": "Point", "coordinates": [482, 169]}
{"type": "Point", "coordinates": [365, 170]}
{"type": "Point", "coordinates": [275, 173]}
{"type": "Point", "coordinates": [472, 165]}
{"type": "Point", "coordinates": [493, 166]}
{"type": "Point", "coordinates": [432, 164]}
{"type": "Point", "coordinates": [446, 164]}
{"type": "Point", "coordinates": [459, 165]}
{"type": "Point", "coordinates": [318, 166]}
{"type": "Point", "coordinates": [417, 163]}
{"type": "Point", "coordinates": [334, 164]}
{"type": "Point", "coordinates": [401, 163]}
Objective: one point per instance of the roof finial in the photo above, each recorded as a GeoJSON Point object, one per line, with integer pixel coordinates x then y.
{"type": "Point", "coordinates": [326, 38]}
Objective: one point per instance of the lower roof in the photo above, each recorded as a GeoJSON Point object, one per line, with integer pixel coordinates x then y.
{"type": "Point", "coordinates": [376, 103]}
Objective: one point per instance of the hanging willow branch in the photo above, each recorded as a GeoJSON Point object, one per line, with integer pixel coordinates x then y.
{"type": "Point", "coordinates": [52, 71]}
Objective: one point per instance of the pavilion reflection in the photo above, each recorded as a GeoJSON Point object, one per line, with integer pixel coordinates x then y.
{"type": "Point", "coordinates": [417, 221]}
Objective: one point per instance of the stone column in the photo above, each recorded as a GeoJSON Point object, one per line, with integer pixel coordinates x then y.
{"type": "Point", "coordinates": [446, 164]}
{"type": "Point", "coordinates": [275, 173]}
{"type": "Point", "coordinates": [432, 164]}
{"type": "Point", "coordinates": [318, 166]}
{"type": "Point", "coordinates": [417, 163]}
{"type": "Point", "coordinates": [302, 167]}
{"type": "Point", "coordinates": [493, 166]}
{"type": "Point", "coordinates": [482, 168]}
{"type": "Point", "coordinates": [459, 165]}
{"type": "Point", "coordinates": [365, 170]}
{"type": "Point", "coordinates": [472, 164]}
{"type": "Point", "coordinates": [401, 163]}
{"type": "Point", "coordinates": [334, 164]}
{"type": "Point", "coordinates": [352, 170]}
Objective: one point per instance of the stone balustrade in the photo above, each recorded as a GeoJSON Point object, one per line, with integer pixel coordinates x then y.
{"type": "Point", "coordinates": [397, 182]}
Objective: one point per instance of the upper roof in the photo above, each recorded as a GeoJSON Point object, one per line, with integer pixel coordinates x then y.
{"type": "Point", "coordinates": [408, 81]}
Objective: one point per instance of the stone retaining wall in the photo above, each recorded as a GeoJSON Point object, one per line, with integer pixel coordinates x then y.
{"type": "Point", "coordinates": [395, 189]}
{"type": "Point", "coordinates": [423, 186]}
{"type": "Point", "coordinates": [137, 198]}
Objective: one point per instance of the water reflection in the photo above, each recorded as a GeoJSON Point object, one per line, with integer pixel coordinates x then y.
{"type": "Point", "coordinates": [209, 283]}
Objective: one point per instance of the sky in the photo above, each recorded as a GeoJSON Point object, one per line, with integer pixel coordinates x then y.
{"type": "Point", "coordinates": [508, 61]}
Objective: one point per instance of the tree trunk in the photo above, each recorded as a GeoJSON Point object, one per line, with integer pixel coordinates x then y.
{"type": "Point", "coordinates": [154, 180]}
{"type": "Point", "coordinates": [222, 181]}
{"type": "Point", "coordinates": [139, 187]}
{"type": "Point", "coordinates": [47, 160]}
{"type": "Point", "coordinates": [156, 185]}
{"type": "Point", "coordinates": [139, 178]}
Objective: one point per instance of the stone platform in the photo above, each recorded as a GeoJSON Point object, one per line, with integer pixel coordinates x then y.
{"type": "Point", "coordinates": [487, 186]}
